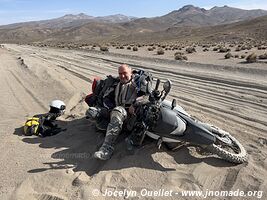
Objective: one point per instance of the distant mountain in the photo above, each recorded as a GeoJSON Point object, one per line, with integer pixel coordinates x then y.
{"type": "Point", "coordinates": [239, 31]}
{"type": "Point", "coordinates": [83, 27]}
{"type": "Point", "coordinates": [115, 18]}
{"type": "Point", "coordinates": [191, 16]}
{"type": "Point", "coordinates": [71, 20]}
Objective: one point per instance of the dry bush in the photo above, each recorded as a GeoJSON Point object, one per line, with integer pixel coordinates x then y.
{"type": "Point", "coordinates": [263, 56]}
{"type": "Point", "coordinates": [103, 48]}
{"type": "Point", "coordinates": [224, 50]}
{"type": "Point", "coordinates": [135, 48]}
{"type": "Point", "coordinates": [180, 57]}
{"type": "Point", "coordinates": [243, 56]}
{"type": "Point", "coordinates": [190, 50]}
{"type": "Point", "coordinates": [237, 49]}
{"type": "Point", "coordinates": [246, 47]}
{"type": "Point", "coordinates": [178, 53]}
{"type": "Point", "coordinates": [160, 51]}
{"type": "Point", "coordinates": [228, 55]}
{"type": "Point", "coordinates": [175, 48]}
{"type": "Point", "coordinates": [129, 48]}
{"type": "Point", "coordinates": [206, 49]}
{"type": "Point", "coordinates": [251, 58]}
{"type": "Point", "coordinates": [121, 47]}
{"type": "Point", "coordinates": [150, 48]}
{"type": "Point", "coordinates": [215, 49]}
{"type": "Point", "coordinates": [236, 56]}
{"type": "Point", "coordinates": [205, 46]}
{"type": "Point", "coordinates": [261, 47]}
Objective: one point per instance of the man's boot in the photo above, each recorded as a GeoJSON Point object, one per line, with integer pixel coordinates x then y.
{"type": "Point", "coordinates": [106, 150]}
{"type": "Point", "coordinates": [114, 128]}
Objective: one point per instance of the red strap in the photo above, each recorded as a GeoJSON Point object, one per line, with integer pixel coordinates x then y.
{"type": "Point", "coordinates": [94, 83]}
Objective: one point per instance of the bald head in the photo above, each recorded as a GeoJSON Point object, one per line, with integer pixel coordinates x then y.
{"type": "Point", "coordinates": [125, 73]}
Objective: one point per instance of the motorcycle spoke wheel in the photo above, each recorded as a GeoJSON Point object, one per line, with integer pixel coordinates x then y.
{"type": "Point", "coordinates": [231, 151]}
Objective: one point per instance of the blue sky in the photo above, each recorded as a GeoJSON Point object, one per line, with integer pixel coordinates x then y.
{"type": "Point", "coordinates": [12, 11]}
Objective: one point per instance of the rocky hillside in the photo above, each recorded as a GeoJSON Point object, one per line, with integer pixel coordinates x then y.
{"type": "Point", "coordinates": [185, 22]}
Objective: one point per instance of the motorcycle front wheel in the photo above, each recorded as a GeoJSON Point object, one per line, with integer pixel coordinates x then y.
{"type": "Point", "coordinates": [227, 147]}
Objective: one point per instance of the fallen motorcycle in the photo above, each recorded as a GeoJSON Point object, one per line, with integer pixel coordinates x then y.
{"type": "Point", "coordinates": [166, 122]}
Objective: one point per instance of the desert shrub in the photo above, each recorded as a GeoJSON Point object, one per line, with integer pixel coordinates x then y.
{"type": "Point", "coordinates": [251, 58]}
{"type": "Point", "coordinates": [160, 51]}
{"type": "Point", "coordinates": [206, 49]}
{"type": "Point", "coordinates": [121, 47]}
{"type": "Point", "coordinates": [261, 47]}
{"type": "Point", "coordinates": [178, 53]}
{"type": "Point", "coordinates": [135, 48]}
{"type": "Point", "coordinates": [117, 47]}
{"type": "Point", "coordinates": [228, 55]}
{"type": "Point", "coordinates": [246, 47]}
{"type": "Point", "coordinates": [236, 56]}
{"type": "Point", "coordinates": [103, 48]}
{"type": "Point", "coordinates": [215, 49]}
{"type": "Point", "coordinates": [180, 57]}
{"type": "Point", "coordinates": [249, 47]}
{"type": "Point", "coordinates": [243, 48]}
{"type": "Point", "coordinates": [263, 56]}
{"type": "Point", "coordinates": [190, 50]}
{"type": "Point", "coordinates": [237, 49]}
{"type": "Point", "coordinates": [223, 50]}
{"type": "Point", "coordinates": [150, 48]}
{"type": "Point", "coordinates": [175, 48]}
{"type": "Point", "coordinates": [243, 56]}
{"type": "Point", "coordinates": [129, 47]}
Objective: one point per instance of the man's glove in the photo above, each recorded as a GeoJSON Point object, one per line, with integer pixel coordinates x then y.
{"type": "Point", "coordinates": [92, 112]}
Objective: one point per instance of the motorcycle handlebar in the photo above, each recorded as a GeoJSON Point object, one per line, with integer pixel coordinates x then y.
{"type": "Point", "coordinates": [157, 84]}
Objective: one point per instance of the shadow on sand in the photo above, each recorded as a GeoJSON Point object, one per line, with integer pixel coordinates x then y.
{"type": "Point", "coordinates": [78, 143]}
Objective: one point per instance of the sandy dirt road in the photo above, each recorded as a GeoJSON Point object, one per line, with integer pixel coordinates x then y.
{"type": "Point", "coordinates": [62, 167]}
